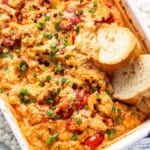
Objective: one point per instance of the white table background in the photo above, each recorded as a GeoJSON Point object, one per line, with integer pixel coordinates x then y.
{"type": "Point", "coordinates": [6, 135]}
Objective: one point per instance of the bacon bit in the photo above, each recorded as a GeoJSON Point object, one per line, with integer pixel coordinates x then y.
{"type": "Point", "coordinates": [42, 2]}
{"type": "Point", "coordinates": [6, 25]}
{"type": "Point", "coordinates": [4, 1]}
{"type": "Point", "coordinates": [25, 16]}
{"type": "Point", "coordinates": [37, 18]}
{"type": "Point", "coordinates": [17, 13]}
{"type": "Point", "coordinates": [73, 37]}
{"type": "Point", "coordinates": [8, 42]}
{"type": "Point", "coordinates": [69, 19]}
{"type": "Point", "coordinates": [1, 49]}
{"type": "Point", "coordinates": [109, 4]}
{"type": "Point", "coordinates": [71, 125]}
{"type": "Point", "coordinates": [108, 20]}
{"type": "Point", "coordinates": [94, 141]}
{"type": "Point", "coordinates": [65, 111]}
{"type": "Point", "coordinates": [81, 100]}
{"type": "Point", "coordinates": [55, 15]}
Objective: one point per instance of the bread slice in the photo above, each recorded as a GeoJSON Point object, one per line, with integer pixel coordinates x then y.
{"type": "Point", "coordinates": [119, 47]}
{"type": "Point", "coordinates": [132, 83]}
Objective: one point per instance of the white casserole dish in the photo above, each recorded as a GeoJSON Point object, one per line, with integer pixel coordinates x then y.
{"type": "Point", "coordinates": [127, 139]}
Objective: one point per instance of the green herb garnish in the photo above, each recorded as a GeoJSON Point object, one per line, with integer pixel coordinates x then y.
{"type": "Point", "coordinates": [48, 78]}
{"type": "Point", "coordinates": [24, 92]}
{"type": "Point", "coordinates": [113, 109]}
{"type": "Point", "coordinates": [2, 90]}
{"type": "Point", "coordinates": [65, 43]}
{"type": "Point", "coordinates": [5, 55]}
{"type": "Point", "coordinates": [41, 25]}
{"type": "Point", "coordinates": [41, 84]}
{"type": "Point", "coordinates": [74, 137]}
{"type": "Point", "coordinates": [79, 121]}
{"type": "Point", "coordinates": [47, 35]}
{"type": "Point", "coordinates": [52, 139]}
{"type": "Point", "coordinates": [47, 18]}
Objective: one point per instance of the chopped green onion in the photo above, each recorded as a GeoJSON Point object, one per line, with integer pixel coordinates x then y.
{"type": "Point", "coordinates": [74, 137]}
{"type": "Point", "coordinates": [58, 19]}
{"type": "Point", "coordinates": [25, 40]}
{"type": "Point", "coordinates": [48, 78]}
{"type": "Point", "coordinates": [113, 109]}
{"type": "Point", "coordinates": [72, 99]}
{"type": "Point", "coordinates": [56, 35]}
{"type": "Point", "coordinates": [41, 84]}
{"type": "Point", "coordinates": [77, 29]}
{"type": "Point", "coordinates": [52, 139]}
{"type": "Point", "coordinates": [18, 51]}
{"type": "Point", "coordinates": [2, 90]}
{"type": "Point", "coordinates": [86, 107]}
{"type": "Point", "coordinates": [57, 27]}
{"type": "Point", "coordinates": [108, 93]}
{"type": "Point", "coordinates": [5, 55]}
{"type": "Point", "coordinates": [93, 89]}
{"type": "Point", "coordinates": [31, 8]}
{"type": "Point", "coordinates": [51, 114]}
{"type": "Point", "coordinates": [95, 4]}
{"type": "Point", "coordinates": [24, 100]}
{"type": "Point", "coordinates": [47, 35]}
{"type": "Point", "coordinates": [57, 82]}
{"type": "Point", "coordinates": [65, 43]}
{"type": "Point", "coordinates": [92, 11]}
{"type": "Point", "coordinates": [133, 113]}
{"type": "Point", "coordinates": [41, 25]}
{"type": "Point", "coordinates": [79, 121]}
{"type": "Point", "coordinates": [50, 101]}
{"type": "Point", "coordinates": [35, 74]}
{"type": "Point", "coordinates": [110, 133]}
{"type": "Point", "coordinates": [77, 12]}
{"type": "Point", "coordinates": [59, 68]}
{"type": "Point", "coordinates": [23, 66]}
{"type": "Point", "coordinates": [58, 90]}
{"type": "Point", "coordinates": [73, 115]}
{"type": "Point", "coordinates": [63, 80]}
{"type": "Point", "coordinates": [118, 119]}
{"type": "Point", "coordinates": [24, 92]}
{"type": "Point", "coordinates": [38, 43]}
{"type": "Point", "coordinates": [99, 97]}
{"type": "Point", "coordinates": [67, 56]}
{"type": "Point", "coordinates": [119, 112]}
{"type": "Point", "coordinates": [47, 18]}
{"type": "Point", "coordinates": [55, 6]}
{"type": "Point", "coordinates": [53, 45]}
{"type": "Point", "coordinates": [53, 107]}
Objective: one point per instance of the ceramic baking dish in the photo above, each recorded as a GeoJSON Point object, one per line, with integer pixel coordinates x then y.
{"type": "Point", "coordinates": [132, 21]}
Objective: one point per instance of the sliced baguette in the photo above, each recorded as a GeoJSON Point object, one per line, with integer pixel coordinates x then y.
{"type": "Point", "coordinates": [132, 83]}
{"type": "Point", "coordinates": [119, 47]}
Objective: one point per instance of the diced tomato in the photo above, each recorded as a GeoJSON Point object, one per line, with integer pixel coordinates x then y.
{"type": "Point", "coordinates": [73, 38]}
{"type": "Point", "coordinates": [69, 19]}
{"type": "Point", "coordinates": [65, 111]}
{"type": "Point", "coordinates": [5, 1]}
{"type": "Point", "coordinates": [109, 4]}
{"type": "Point", "coordinates": [94, 141]}
{"type": "Point", "coordinates": [81, 100]}
{"type": "Point", "coordinates": [8, 42]}
{"type": "Point", "coordinates": [108, 20]}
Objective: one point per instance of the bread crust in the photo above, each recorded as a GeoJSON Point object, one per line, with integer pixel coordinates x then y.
{"type": "Point", "coordinates": [132, 74]}
{"type": "Point", "coordinates": [131, 52]}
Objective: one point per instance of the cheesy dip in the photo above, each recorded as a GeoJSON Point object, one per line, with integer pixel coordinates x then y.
{"type": "Point", "coordinates": [59, 97]}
